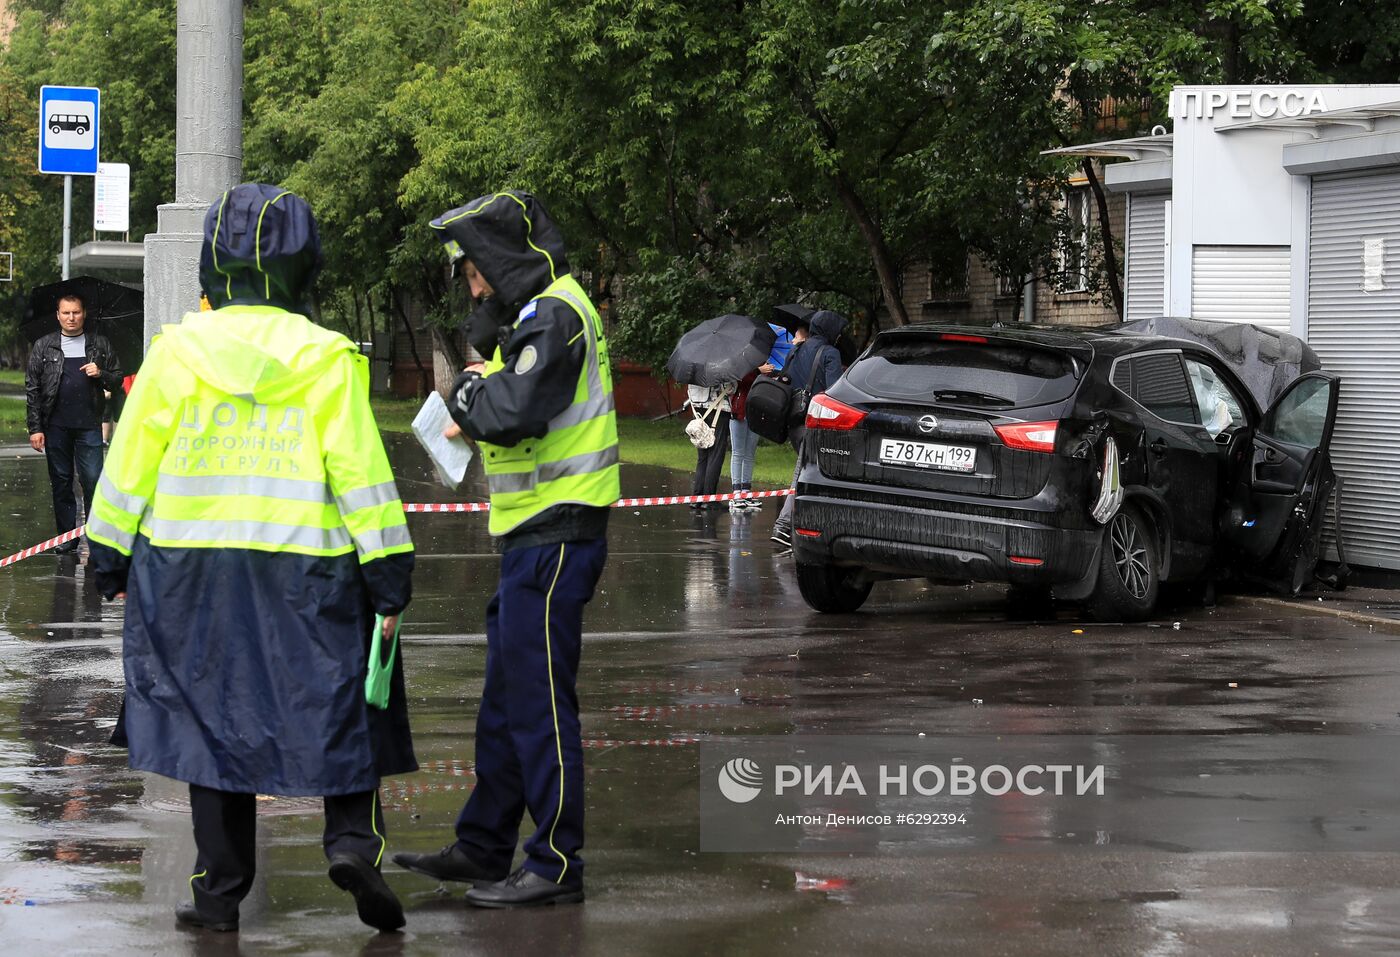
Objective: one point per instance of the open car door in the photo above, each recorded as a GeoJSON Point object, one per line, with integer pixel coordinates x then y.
{"type": "Point", "coordinates": [1277, 514]}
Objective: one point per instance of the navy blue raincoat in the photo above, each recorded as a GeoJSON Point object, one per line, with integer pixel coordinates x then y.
{"type": "Point", "coordinates": [252, 588]}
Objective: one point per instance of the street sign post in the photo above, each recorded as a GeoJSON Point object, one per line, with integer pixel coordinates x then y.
{"type": "Point", "coordinates": [69, 118]}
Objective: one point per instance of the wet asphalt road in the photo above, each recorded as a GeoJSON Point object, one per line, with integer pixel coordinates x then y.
{"type": "Point", "coordinates": [697, 631]}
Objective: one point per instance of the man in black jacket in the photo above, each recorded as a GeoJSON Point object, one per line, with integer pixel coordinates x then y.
{"type": "Point", "coordinates": [69, 371]}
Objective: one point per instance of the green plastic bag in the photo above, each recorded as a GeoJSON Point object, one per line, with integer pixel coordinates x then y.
{"type": "Point", "coordinates": [381, 665]}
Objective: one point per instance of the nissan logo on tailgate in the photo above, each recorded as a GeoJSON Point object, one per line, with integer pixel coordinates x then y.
{"type": "Point", "coordinates": [927, 423]}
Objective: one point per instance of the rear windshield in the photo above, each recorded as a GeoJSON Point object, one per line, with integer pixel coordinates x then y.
{"type": "Point", "coordinates": [995, 375]}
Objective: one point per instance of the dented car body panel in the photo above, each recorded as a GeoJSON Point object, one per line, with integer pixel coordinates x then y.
{"type": "Point", "coordinates": [974, 454]}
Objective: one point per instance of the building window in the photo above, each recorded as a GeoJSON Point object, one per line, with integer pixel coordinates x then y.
{"type": "Point", "coordinates": [1008, 286]}
{"type": "Point", "coordinates": [1074, 241]}
{"type": "Point", "coordinates": [948, 279]}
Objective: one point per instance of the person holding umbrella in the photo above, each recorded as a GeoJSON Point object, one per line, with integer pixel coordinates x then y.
{"type": "Point", "coordinates": [70, 371]}
{"type": "Point", "coordinates": [711, 359]}
{"type": "Point", "coordinates": [709, 433]}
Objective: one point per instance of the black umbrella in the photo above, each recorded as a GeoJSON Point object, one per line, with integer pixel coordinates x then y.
{"type": "Point", "coordinates": [115, 310]}
{"type": "Point", "coordinates": [724, 349]}
{"type": "Point", "coordinates": [790, 315]}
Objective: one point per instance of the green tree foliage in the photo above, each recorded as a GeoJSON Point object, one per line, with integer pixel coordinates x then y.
{"type": "Point", "coordinates": [702, 157]}
{"type": "Point", "coordinates": [125, 47]}
{"type": "Point", "coordinates": [320, 84]}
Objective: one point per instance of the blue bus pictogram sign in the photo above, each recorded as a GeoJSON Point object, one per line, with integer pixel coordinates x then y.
{"type": "Point", "coordinates": [68, 129]}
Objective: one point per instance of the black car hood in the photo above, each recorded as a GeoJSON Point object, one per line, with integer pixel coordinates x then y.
{"type": "Point", "coordinates": [1266, 361]}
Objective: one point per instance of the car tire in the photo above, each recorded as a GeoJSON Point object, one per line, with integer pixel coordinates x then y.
{"type": "Point", "coordinates": [831, 589]}
{"type": "Point", "coordinates": [1128, 570]}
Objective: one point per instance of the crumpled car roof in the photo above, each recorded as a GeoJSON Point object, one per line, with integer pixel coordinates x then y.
{"type": "Point", "coordinates": [1265, 360]}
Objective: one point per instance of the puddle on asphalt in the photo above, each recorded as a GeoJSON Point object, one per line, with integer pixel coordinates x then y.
{"type": "Point", "coordinates": [697, 630]}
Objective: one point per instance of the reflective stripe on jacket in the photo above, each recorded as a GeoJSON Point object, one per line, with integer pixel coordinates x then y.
{"type": "Point", "coordinates": [250, 427]}
{"type": "Point", "coordinates": [577, 459]}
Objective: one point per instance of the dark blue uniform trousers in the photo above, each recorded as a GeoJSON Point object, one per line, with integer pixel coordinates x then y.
{"type": "Point", "coordinates": [528, 750]}
{"type": "Point", "coordinates": [225, 835]}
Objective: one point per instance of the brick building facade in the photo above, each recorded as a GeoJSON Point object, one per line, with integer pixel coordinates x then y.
{"type": "Point", "coordinates": [979, 296]}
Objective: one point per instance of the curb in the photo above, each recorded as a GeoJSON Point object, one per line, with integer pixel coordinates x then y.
{"type": "Point", "coordinates": [1320, 608]}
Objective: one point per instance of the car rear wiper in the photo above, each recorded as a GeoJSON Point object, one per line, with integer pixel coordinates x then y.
{"type": "Point", "coordinates": [961, 396]}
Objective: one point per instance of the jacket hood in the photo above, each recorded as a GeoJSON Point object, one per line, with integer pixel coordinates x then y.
{"type": "Point", "coordinates": [261, 247]}
{"type": "Point", "coordinates": [827, 324]}
{"type": "Point", "coordinates": [259, 353]}
{"type": "Point", "coordinates": [511, 239]}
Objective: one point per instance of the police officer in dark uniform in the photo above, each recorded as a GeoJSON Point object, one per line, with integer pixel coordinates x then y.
{"type": "Point", "coordinates": [541, 412]}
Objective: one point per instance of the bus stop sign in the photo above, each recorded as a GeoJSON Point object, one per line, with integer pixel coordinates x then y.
{"type": "Point", "coordinates": [68, 129]}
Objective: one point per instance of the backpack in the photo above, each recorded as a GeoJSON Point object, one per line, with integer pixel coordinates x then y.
{"type": "Point", "coordinates": [768, 407]}
{"type": "Point", "coordinates": [766, 415]}
{"type": "Point", "coordinates": [699, 429]}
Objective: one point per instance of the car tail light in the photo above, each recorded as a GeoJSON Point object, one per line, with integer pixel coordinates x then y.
{"type": "Point", "coordinates": [962, 337]}
{"type": "Point", "coordinates": [1031, 436]}
{"type": "Point", "coordinates": [824, 412]}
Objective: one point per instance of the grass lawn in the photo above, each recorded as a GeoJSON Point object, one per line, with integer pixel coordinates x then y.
{"type": "Point", "coordinates": [643, 442]}
{"type": "Point", "coordinates": [395, 415]}
{"type": "Point", "coordinates": [12, 377]}
{"type": "Point", "coordinates": [12, 426]}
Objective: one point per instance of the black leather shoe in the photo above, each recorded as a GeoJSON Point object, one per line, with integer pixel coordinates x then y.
{"type": "Point", "coordinates": [449, 864]}
{"type": "Point", "coordinates": [376, 903]}
{"type": "Point", "coordinates": [525, 888]}
{"type": "Point", "coordinates": [186, 913]}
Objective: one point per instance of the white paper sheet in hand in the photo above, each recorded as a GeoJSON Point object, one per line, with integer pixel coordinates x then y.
{"type": "Point", "coordinates": [450, 456]}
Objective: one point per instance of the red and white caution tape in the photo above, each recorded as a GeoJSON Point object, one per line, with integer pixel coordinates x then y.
{"type": "Point", "coordinates": [620, 503]}
{"type": "Point", "coordinates": [33, 550]}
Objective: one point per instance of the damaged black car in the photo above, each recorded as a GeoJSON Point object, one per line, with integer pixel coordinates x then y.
{"type": "Point", "coordinates": [1091, 465]}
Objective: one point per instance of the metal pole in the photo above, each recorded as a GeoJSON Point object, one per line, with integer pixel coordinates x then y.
{"type": "Point", "coordinates": [67, 223]}
{"type": "Point", "coordinates": [208, 151]}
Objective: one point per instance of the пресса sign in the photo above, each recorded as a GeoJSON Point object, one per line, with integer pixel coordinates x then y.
{"type": "Point", "coordinates": [1256, 103]}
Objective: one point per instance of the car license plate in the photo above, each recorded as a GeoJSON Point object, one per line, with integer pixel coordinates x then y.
{"type": "Point", "coordinates": [928, 455]}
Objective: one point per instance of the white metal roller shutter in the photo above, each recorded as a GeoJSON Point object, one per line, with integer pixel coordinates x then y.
{"type": "Point", "coordinates": [1241, 284]}
{"type": "Point", "coordinates": [1356, 333]}
{"type": "Point", "coordinates": [1147, 256]}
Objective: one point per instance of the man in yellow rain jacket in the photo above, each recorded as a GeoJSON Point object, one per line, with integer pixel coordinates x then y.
{"type": "Point", "coordinates": [541, 411]}
{"type": "Point", "coordinates": [248, 513]}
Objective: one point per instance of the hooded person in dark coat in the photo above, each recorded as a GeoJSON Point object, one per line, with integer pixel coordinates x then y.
{"type": "Point", "coordinates": [815, 364]}
{"type": "Point", "coordinates": [248, 513]}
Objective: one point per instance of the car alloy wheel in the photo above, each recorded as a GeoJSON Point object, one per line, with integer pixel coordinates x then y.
{"type": "Point", "coordinates": [1130, 556]}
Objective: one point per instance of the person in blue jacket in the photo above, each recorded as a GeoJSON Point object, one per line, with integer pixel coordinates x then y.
{"type": "Point", "coordinates": [814, 365]}
{"type": "Point", "coordinates": [743, 441]}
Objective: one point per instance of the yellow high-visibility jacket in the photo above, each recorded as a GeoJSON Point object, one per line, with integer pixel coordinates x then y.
{"type": "Point", "coordinates": [248, 510]}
